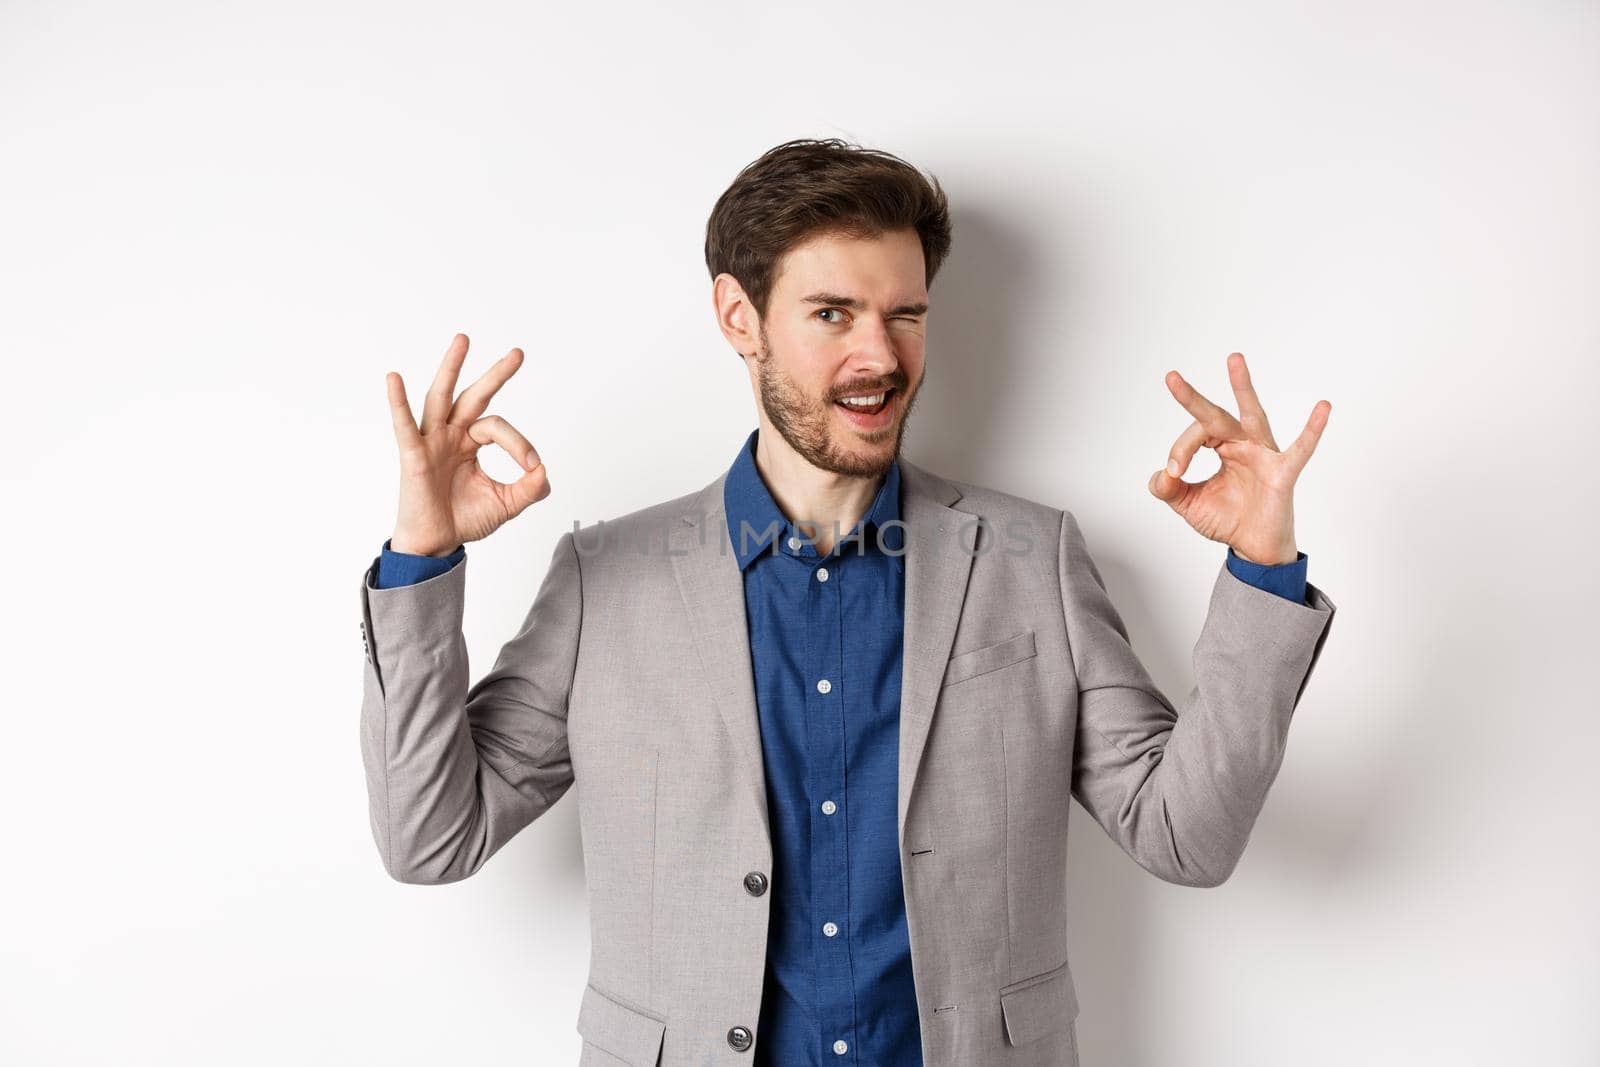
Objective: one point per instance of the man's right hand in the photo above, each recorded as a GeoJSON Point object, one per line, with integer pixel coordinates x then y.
{"type": "Point", "coordinates": [445, 498]}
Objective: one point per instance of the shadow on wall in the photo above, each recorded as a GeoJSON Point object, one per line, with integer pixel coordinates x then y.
{"type": "Point", "coordinates": [1314, 831]}
{"type": "Point", "coordinates": [973, 359]}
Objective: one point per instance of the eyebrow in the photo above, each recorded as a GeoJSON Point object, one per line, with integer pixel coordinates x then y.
{"type": "Point", "coordinates": [835, 300]}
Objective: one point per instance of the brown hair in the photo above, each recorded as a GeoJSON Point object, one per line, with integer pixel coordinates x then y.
{"type": "Point", "coordinates": [803, 188]}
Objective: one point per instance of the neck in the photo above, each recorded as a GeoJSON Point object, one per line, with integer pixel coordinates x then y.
{"type": "Point", "coordinates": [818, 501]}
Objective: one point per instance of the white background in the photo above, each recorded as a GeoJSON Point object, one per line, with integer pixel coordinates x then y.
{"type": "Point", "coordinates": [221, 224]}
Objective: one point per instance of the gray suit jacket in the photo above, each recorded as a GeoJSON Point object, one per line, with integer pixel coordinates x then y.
{"type": "Point", "coordinates": [631, 678]}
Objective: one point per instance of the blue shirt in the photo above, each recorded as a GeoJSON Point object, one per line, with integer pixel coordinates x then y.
{"type": "Point", "coordinates": [826, 647]}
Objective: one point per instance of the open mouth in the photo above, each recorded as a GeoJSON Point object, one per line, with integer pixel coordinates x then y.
{"type": "Point", "coordinates": [866, 405]}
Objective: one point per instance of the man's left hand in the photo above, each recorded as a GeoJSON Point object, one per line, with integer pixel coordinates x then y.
{"type": "Point", "coordinates": [1249, 502]}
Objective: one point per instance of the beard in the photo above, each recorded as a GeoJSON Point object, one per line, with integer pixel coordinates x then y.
{"type": "Point", "coordinates": [807, 423]}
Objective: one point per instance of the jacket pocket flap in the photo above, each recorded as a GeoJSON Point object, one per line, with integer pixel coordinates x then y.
{"type": "Point", "coordinates": [1039, 1005]}
{"type": "Point", "coordinates": [989, 658]}
{"type": "Point", "coordinates": [631, 1035]}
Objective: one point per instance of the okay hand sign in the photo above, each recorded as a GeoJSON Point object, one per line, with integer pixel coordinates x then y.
{"type": "Point", "coordinates": [1249, 502]}
{"type": "Point", "coordinates": [445, 498]}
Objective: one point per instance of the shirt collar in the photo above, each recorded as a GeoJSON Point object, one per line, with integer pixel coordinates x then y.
{"type": "Point", "coordinates": [748, 504]}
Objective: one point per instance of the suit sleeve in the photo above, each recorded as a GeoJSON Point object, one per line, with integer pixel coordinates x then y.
{"type": "Point", "coordinates": [1179, 789]}
{"type": "Point", "coordinates": [455, 771]}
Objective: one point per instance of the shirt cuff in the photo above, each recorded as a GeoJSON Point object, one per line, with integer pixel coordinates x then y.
{"type": "Point", "coordinates": [405, 568]}
{"type": "Point", "coordinates": [1287, 580]}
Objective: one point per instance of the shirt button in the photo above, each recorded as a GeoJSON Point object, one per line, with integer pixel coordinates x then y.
{"type": "Point", "coordinates": [755, 883]}
{"type": "Point", "coordinates": [829, 807]}
{"type": "Point", "coordinates": [794, 543]}
{"type": "Point", "coordinates": [739, 1038]}
{"type": "Point", "coordinates": [824, 685]}
{"type": "Point", "coordinates": [829, 929]}
{"type": "Point", "coordinates": [840, 1047]}
{"type": "Point", "coordinates": [822, 574]}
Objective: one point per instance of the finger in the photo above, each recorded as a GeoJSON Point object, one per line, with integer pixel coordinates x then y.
{"type": "Point", "coordinates": [533, 486]}
{"type": "Point", "coordinates": [405, 425]}
{"type": "Point", "coordinates": [1184, 448]}
{"type": "Point", "coordinates": [475, 397]}
{"type": "Point", "coordinates": [1252, 416]}
{"type": "Point", "coordinates": [1216, 420]}
{"type": "Point", "coordinates": [436, 408]}
{"type": "Point", "coordinates": [1168, 483]}
{"type": "Point", "coordinates": [1298, 454]}
{"type": "Point", "coordinates": [493, 428]}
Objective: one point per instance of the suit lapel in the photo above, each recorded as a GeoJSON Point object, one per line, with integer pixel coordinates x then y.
{"type": "Point", "coordinates": [713, 592]}
{"type": "Point", "coordinates": [937, 563]}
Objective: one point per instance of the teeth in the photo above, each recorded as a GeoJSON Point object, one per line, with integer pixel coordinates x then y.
{"type": "Point", "coordinates": [864, 401]}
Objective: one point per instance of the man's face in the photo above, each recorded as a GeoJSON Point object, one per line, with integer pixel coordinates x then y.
{"type": "Point", "coordinates": [847, 318]}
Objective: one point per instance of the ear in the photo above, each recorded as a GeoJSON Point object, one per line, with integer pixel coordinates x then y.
{"type": "Point", "coordinates": [736, 315]}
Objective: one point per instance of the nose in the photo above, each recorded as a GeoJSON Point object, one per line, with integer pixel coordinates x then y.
{"type": "Point", "coordinates": [874, 355]}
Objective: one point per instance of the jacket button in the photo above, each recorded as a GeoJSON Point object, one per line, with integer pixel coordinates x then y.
{"type": "Point", "coordinates": [755, 883]}
{"type": "Point", "coordinates": [739, 1038]}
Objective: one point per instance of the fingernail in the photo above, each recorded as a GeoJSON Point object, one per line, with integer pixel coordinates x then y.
{"type": "Point", "coordinates": [531, 460]}
{"type": "Point", "coordinates": [1172, 467]}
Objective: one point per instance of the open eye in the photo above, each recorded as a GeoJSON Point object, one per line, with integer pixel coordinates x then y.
{"type": "Point", "coordinates": [824, 311]}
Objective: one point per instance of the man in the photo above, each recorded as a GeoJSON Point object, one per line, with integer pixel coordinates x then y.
{"type": "Point", "coordinates": [826, 713]}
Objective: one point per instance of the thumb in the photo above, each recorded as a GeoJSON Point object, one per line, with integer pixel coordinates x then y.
{"type": "Point", "coordinates": [529, 489]}
{"type": "Point", "coordinates": [1165, 487]}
